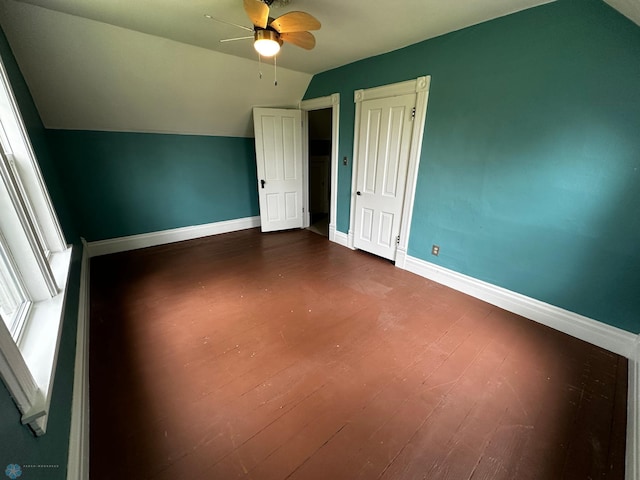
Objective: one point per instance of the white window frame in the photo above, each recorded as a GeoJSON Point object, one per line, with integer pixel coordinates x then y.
{"type": "Point", "coordinates": [12, 293]}
{"type": "Point", "coordinates": [36, 261]}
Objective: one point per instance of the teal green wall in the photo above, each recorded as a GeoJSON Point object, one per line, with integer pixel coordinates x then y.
{"type": "Point", "coordinates": [17, 443]}
{"type": "Point", "coordinates": [131, 183]}
{"type": "Point", "coordinates": [529, 176]}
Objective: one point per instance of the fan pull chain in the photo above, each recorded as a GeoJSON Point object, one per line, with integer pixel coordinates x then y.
{"type": "Point", "coordinates": [260, 66]}
{"type": "Point", "coordinates": [275, 70]}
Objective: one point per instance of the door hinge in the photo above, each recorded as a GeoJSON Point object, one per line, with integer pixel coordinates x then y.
{"type": "Point", "coordinates": [398, 240]}
{"type": "Point", "coordinates": [413, 113]}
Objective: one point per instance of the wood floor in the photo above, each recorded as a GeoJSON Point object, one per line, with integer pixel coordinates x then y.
{"type": "Point", "coordinates": [285, 356]}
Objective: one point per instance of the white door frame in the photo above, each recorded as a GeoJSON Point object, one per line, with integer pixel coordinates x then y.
{"type": "Point", "coordinates": [420, 86]}
{"type": "Point", "coordinates": [333, 102]}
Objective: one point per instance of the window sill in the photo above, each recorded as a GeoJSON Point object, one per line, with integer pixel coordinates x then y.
{"type": "Point", "coordinates": [40, 341]}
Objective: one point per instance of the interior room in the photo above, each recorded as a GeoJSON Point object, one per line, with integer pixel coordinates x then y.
{"type": "Point", "coordinates": [515, 221]}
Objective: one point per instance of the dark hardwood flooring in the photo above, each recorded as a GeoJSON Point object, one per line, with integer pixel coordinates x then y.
{"type": "Point", "coordinates": [284, 356]}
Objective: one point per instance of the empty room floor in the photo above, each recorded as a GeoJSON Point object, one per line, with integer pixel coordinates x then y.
{"type": "Point", "coordinates": [286, 356]}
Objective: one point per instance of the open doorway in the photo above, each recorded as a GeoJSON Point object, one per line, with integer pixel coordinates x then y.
{"type": "Point", "coordinates": [319, 188]}
{"type": "Point", "coordinates": [324, 133]}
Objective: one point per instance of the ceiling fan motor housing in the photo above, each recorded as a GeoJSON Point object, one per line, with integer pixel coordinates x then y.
{"type": "Point", "coordinates": [267, 34]}
{"type": "Point", "coordinates": [267, 42]}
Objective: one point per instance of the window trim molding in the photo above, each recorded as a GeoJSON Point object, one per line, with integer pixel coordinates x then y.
{"type": "Point", "coordinates": [45, 286]}
{"type": "Point", "coordinates": [15, 292]}
{"type": "Point", "coordinates": [19, 381]}
{"type": "Point", "coordinates": [33, 182]}
{"type": "Point", "coordinates": [78, 458]}
{"type": "Point", "coordinates": [36, 243]}
{"type": "Point", "coordinates": [28, 368]}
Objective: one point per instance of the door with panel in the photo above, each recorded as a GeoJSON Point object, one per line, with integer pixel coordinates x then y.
{"type": "Point", "coordinates": [384, 139]}
{"type": "Point", "coordinates": [278, 139]}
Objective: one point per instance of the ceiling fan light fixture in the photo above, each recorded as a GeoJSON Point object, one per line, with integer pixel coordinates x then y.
{"type": "Point", "coordinates": [267, 42]}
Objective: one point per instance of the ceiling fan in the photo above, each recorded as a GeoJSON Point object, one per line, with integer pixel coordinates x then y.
{"type": "Point", "coordinates": [269, 33]}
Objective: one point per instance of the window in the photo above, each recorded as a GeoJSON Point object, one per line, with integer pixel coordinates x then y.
{"type": "Point", "coordinates": [14, 304]}
{"type": "Point", "coordinates": [34, 266]}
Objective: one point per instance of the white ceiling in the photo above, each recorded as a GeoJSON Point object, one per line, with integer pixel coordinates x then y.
{"type": "Point", "coordinates": [629, 8]}
{"type": "Point", "coordinates": [88, 75]}
{"type": "Point", "coordinates": [351, 30]}
{"type": "Point", "coordinates": [158, 65]}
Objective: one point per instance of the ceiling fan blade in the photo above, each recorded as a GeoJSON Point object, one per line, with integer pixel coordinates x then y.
{"type": "Point", "coordinates": [229, 23]}
{"type": "Point", "coordinates": [257, 12]}
{"type": "Point", "coordinates": [305, 40]}
{"type": "Point", "coordinates": [295, 22]}
{"type": "Point", "coordinates": [224, 40]}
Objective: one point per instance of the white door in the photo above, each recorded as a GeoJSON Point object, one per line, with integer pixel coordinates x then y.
{"type": "Point", "coordinates": [383, 156]}
{"type": "Point", "coordinates": [279, 165]}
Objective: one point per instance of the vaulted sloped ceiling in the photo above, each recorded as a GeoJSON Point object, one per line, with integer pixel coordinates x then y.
{"type": "Point", "coordinates": [88, 75]}
{"type": "Point", "coordinates": [629, 8]}
{"type": "Point", "coordinates": [351, 30]}
{"type": "Point", "coordinates": [158, 65]}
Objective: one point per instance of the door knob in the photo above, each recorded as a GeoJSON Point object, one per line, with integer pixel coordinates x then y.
{"type": "Point", "coordinates": [358, 192]}
{"type": "Point", "coordinates": [262, 182]}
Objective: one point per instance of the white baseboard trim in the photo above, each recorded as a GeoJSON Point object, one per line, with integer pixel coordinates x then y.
{"type": "Point", "coordinates": [133, 242]}
{"type": "Point", "coordinates": [401, 258]}
{"type": "Point", "coordinates": [341, 238]}
{"type": "Point", "coordinates": [597, 333]}
{"type": "Point", "coordinates": [332, 232]}
{"type": "Point", "coordinates": [78, 460]}
{"type": "Point", "coordinates": [633, 417]}
{"type": "Point", "coordinates": [616, 340]}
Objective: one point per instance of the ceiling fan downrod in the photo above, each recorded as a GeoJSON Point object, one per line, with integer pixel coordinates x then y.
{"type": "Point", "coordinates": [278, 3]}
